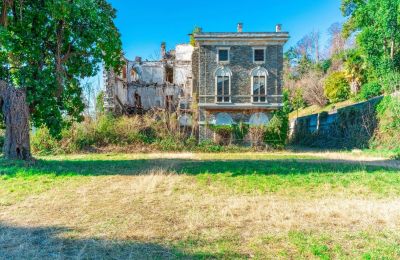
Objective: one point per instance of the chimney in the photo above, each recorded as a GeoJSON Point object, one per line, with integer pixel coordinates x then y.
{"type": "Point", "coordinates": [278, 27]}
{"type": "Point", "coordinates": [163, 50]}
{"type": "Point", "coordinates": [240, 27]}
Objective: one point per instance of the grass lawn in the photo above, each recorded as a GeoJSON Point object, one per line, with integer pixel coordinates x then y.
{"type": "Point", "coordinates": [314, 109]}
{"type": "Point", "coordinates": [146, 206]}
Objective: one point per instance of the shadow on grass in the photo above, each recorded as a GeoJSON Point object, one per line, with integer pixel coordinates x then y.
{"type": "Point", "coordinates": [187, 166]}
{"type": "Point", "coordinates": [52, 243]}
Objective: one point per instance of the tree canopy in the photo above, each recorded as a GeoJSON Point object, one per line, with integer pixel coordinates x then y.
{"type": "Point", "coordinates": [376, 24]}
{"type": "Point", "coordinates": [48, 47]}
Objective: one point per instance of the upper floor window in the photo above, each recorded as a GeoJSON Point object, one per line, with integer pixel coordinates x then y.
{"type": "Point", "coordinates": [223, 85]}
{"type": "Point", "coordinates": [259, 55]}
{"type": "Point", "coordinates": [259, 85]}
{"type": "Point", "coordinates": [223, 55]}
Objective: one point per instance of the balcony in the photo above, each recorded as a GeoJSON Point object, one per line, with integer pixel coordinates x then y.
{"type": "Point", "coordinates": [240, 102]}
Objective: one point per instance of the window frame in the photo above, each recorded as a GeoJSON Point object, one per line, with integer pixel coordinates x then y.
{"type": "Point", "coordinates": [227, 73]}
{"type": "Point", "coordinates": [261, 72]}
{"type": "Point", "coordinates": [254, 55]}
{"type": "Point", "coordinates": [229, 55]}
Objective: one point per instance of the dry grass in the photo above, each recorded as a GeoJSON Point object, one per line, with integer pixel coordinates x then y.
{"type": "Point", "coordinates": [162, 214]}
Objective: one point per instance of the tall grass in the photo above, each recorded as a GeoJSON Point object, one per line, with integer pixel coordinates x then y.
{"type": "Point", "coordinates": [157, 131]}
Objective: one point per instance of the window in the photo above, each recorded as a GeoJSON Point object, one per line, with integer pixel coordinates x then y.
{"type": "Point", "coordinates": [223, 85]}
{"type": "Point", "coordinates": [259, 85]}
{"type": "Point", "coordinates": [223, 55]}
{"type": "Point", "coordinates": [259, 55]}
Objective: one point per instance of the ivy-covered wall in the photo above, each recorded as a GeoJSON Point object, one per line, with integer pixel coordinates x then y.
{"type": "Point", "coordinates": [348, 128]}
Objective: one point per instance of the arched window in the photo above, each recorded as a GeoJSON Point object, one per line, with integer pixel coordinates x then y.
{"type": "Point", "coordinates": [223, 119]}
{"type": "Point", "coordinates": [258, 119]}
{"type": "Point", "coordinates": [223, 85]}
{"type": "Point", "coordinates": [259, 85]}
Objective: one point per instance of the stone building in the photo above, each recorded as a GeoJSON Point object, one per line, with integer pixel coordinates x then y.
{"type": "Point", "coordinates": [236, 77]}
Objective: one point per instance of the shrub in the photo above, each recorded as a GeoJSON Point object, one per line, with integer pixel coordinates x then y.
{"type": "Point", "coordinates": [273, 136]}
{"type": "Point", "coordinates": [313, 89]}
{"type": "Point", "coordinates": [43, 143]}
{"type": "Point", "coordinates": [223, 133]}
{"type": "Point", "coordinates": [240, 131]}
{"type": "Point", "coordinates": [276, 133]}
{"type": "Point", "coordinates": [336, 87]}
{"type": "Point", "coordinates": [257, 134]}
{"type": "Point", "coordinates": [370, 90]}
{"type": "Point", "coordinates": [209, 146]}
{"type": "Point", "coordinates": [170, 144]}
{"type": "Point", "coordinates": [388, 134]}
{"type": "Point", "coordinates": [391, 82]}
{"type": "Point", "coordinates": [1, 140]}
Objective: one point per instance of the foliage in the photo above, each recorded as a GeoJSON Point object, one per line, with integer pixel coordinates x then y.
{"type": "Point", "coordinates": [257, 133]}
{"type": "Point", "coordinates": [336, 87]}
{"type": "Point", "coordinates": [49, 46]}
{"type": "Point", "coordinates": [370, 90]}
{"type": "Point", "coordinates": [387, 135]}
{"type": "Point", "coordinates": [223, 133]}
{"type": "Point", "coordinates": [354, 68]}
{"type": "Point", "coordinates": [391, 82]}
{"type": "Point", "coordinates": [1, 140]}
{"type": "Point", "coordinates": [353, 127]}
{"type": "Point", "coordinates": [240, 131]}
{"type": "Point", "coordinates": [297, 99]}
{"type": "Point", "coordinates": [43, 143]}
{"type": "Point", "coordinates": [313, 88]}
{"type": "Point", "coordinates": [277, 130]}
{"type": "Point", "coordinates": [100, 103]}
{"type": "Point", "coordinates": [192, 40]}
{"type": "Point", "coordinates": [377, 23]}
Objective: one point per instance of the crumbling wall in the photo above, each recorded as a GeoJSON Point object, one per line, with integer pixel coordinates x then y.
{"type": "Point", "coordinates": [153, 96]}
{"type": "Point", "coordinates": [183, 68]}
{"type": "Point", "coordinates": [153, 72]}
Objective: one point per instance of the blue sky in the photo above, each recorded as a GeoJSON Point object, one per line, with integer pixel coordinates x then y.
{"type": "Point", "coordinates": [145, 24]}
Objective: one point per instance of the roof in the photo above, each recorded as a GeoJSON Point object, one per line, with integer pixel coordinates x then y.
{"type": "Point", "coordinates": [281, 37]}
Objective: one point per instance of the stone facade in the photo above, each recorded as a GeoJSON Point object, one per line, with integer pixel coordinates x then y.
{"type": "Point", "coordinates": [241, 50]}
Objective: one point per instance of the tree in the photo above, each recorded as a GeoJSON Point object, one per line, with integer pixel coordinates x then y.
{"type": "Point", "coordinates": [337, 41]}
{"type": "Point", "coordinates": [313, 88]}
{"type": "Point", "coordinates": [46, 49]}
{"type": "Point", "coordinates": [336, 87]}
{"type": "Point", "coordinates": [377, 27]}
{"type": "Point", "coordinates": [355, 69]}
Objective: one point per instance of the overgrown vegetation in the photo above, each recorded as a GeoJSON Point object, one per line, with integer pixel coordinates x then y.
{"type": "Point", "coordinates": [354, 127]}
{"type": "Point", "coordinates": [336, 87]}
{"type": "Point", "coordinates": [156, 131]}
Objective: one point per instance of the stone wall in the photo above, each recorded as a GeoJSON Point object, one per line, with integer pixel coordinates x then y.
{"type": "Point", "coordinates": [346, 128]}
{"type": "Point", "coordinates": [241, 64]}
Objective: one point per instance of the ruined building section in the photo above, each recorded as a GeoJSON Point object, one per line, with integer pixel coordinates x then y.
{"type": "Point", "coordinates": [165, 84]}
{"type": "Point", "coordinates": [227, 78]}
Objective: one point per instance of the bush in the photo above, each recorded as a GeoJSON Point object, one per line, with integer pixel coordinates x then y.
{"type": "Point", "coordinates": [336, 87]}
{"type": "Point", "coordinates": [370, 90]}
{"type": "Point", "coordinates": [277, 131]}
{"type": "Point", "coordinates": [209, 146]}
{"type": "Point", "coordinates": [223, 133]}
{"type": "Point", "coordinates": [1, 140]}
{"type": "Point", "coordinates": [387, 135]}
{"type": "Point", "coordinates": [43, 143]}
{"type": "Point", "coordinates": [257, 134]}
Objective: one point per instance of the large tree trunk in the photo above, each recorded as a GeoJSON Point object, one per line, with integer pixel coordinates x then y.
{"type": "Point", "coordinates": [16, 115]}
